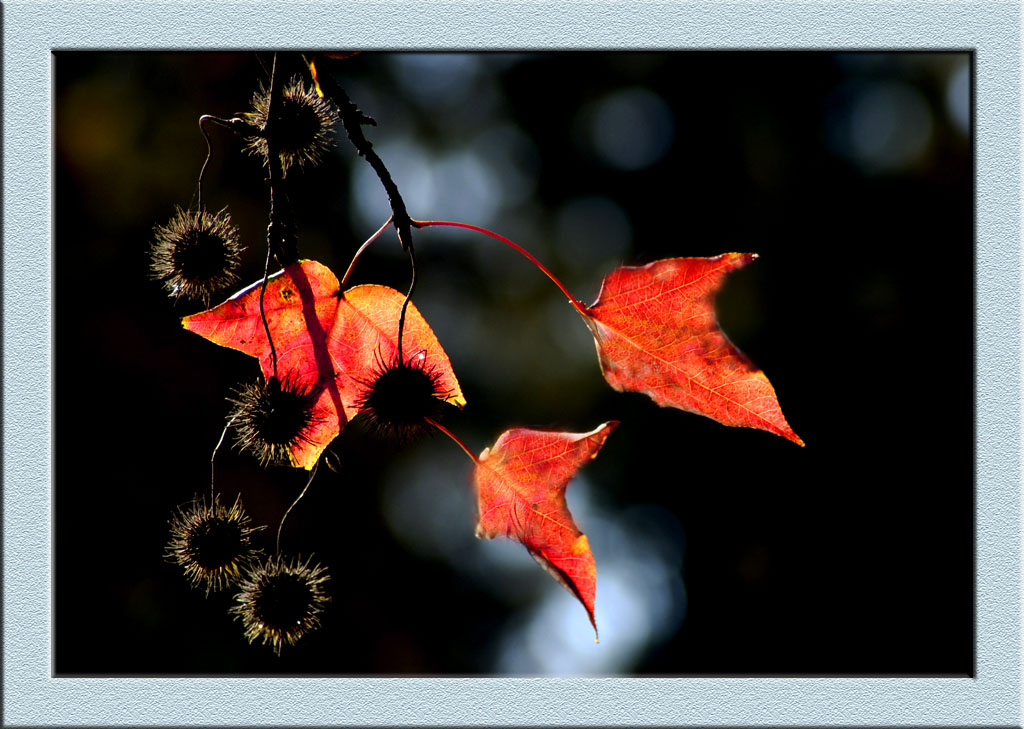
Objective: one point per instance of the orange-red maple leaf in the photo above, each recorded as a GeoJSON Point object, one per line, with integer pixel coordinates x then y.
{"type": "Point", "coordinates": [656, 333]}
{"type": "Point", "coordinates": [364, 336]}
{"type": "Point", "coordinates": [325, 340]}
{"type": "Point", "coordinates": [520, 485]}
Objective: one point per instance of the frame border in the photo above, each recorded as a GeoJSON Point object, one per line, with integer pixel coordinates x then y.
{"type": "Point", "coordinates": [31, 31]}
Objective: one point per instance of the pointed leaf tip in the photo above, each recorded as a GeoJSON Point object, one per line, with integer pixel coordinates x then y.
{"type": "Point", "coordinates": [656, 333]}
{"type": "Point", "coordinates": [520, 485]}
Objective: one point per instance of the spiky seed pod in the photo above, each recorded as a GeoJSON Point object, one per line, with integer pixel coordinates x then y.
{"type": "Point", "coordinates": [400, 397]}
{"type": "Point", "coordinates": [196, 255]}
{"type": "Point", "coordinates": [212, 543]}
{"type": "Point", "coordinates": [303, 129]}
{"type": "Point", "coordinates": [272, 417]}
{"type": "Point", "coordinates": [280, 602]}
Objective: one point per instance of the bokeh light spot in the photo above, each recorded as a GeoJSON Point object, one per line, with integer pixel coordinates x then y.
{"type": "Point", "coordinates": [630, 129]}
{"type": "Point", "coordinates": [958, 96]}
{"type": "Point", "coordinates": [884, 127]}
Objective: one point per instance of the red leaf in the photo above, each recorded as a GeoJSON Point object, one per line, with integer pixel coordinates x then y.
{"type": "Point", "coordinates": [301, 303]}
{"type": "Point", "coordinates": [323, 339]}
{"type": "Point", "coordinates": [520, 484]}
{"type": "Point", "coordinates": [365, 333]}
{"type": "Point", "coordinates": [656, 333]}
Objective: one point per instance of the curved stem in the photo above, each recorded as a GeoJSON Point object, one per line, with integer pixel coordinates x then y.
{"type": "Point", "coordinates": [458, 442]}
{"type": "Point", "coordinates": [405, 304]}
{"type": "Point", "coordinates": [274, 230]}
{"type": "Point", "coordinates": [206, 162]}
{"type": "Point", "coordinates": [280, 526]}
{"type": "Point", "coordinates": [497, 236]}
{"type": "Point", "coordinates": [353, 120]}
{"type": "Point", "coordinates": [363, 247]}
{"type": "Point", "coordinates": [237, 125]}
{"type": "Point", "coordinates": [263, 314]}
{"type": "Point", "coordinates": [214, 454]}
{"type": "Point", "coordinates": [280, 231]}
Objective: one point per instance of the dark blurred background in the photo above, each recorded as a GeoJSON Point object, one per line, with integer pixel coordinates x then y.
{"type": "Point", "coordinates": [719, 550]}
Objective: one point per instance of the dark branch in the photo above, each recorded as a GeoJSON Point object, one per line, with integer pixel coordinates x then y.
{"type": "Point", "coordinates": [281, 231]}
{"type": "Point", "coordinates": [280, 242]}
{"type": "Point", "coordinates": [353, 120]}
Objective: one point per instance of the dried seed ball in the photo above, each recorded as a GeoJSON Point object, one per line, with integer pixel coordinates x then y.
{"type": "Point", "coordinates": [196, 255]}
{"type": "Point", "coordinates": [303, 127]}
{"type": "Point", "coordinates": [280, 602]}
{"type": "Point", "coordinates": [273, 417]}
{"type": "Point", "coordinates": [212, 543]}
{"type": "Point", "coordinates": [401, 397]}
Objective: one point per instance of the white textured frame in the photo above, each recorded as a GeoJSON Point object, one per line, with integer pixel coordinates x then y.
{"type": "Point", "coordinates": [31, 696]}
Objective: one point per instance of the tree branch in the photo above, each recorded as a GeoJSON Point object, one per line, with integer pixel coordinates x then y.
{"type": "Point", "coordinates": [353, 120]}
{"type": "Point", "coordinates": [281, 231]}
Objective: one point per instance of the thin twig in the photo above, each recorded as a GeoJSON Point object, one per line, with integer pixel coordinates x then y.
{"type": "Point", "coordinates": [214, 455]}
{"type": "Point", "coordinates": [405, 304]}
{"type": "Point", "coordinates": [236, 124]}
{"type": "Point", "coordinates": [263, 314]}
{"type": "Point", "coordinates": [209, 154]}
{"type": "Point", "coordinates": [275, 228]}
{"type": "Point", "coordinates": [280, 526]}
{"type": "Point", "coordinates": [363, 247]}
{"type": "Point", "coordinates": [280, 235]}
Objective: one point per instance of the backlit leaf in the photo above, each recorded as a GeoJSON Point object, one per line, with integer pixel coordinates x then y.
{"type": "Point", "coordinates": [656, 333]}
{"type": "Point", "coordinates": [520, 485]}
{"type": "Point", "coordinates": [364, 336]}
{"type": "Point", "coordinates": [323, 339]}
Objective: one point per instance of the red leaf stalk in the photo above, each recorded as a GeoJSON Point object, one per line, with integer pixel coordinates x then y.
{"type": "Point", "coordinates": [497, 236]}
{"type": "Point", "coordinates": [362, 248]}
{"type": "Point", "coordinates": [458, 442]}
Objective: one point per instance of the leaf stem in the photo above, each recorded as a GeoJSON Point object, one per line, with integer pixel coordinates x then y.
{"type": "Point", "coordinates": [275, 230]}
{"type": "Point", "coordinates": [458, 442]}
{"type": "Point", "coordinates": [209, 154]}
{"type": "Point", "coordinates": [405, 304]}
{"type": "Point", "coordinates": [237, 125]}
{"type": "Point", "coordinates": [280, 526]}
{"type": "Point", "coordinates": [214, 454]}
{"type": "Point", "coordinates": [263, 314]}
{"type": "Point", "coordinates": [363, 247]}
{"type": "Point", "coordinates": [353, 119]}
{"type": "Point", "coordinates": [280, 232]}
{"type": "Point", "coordinates": [529, 256]}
